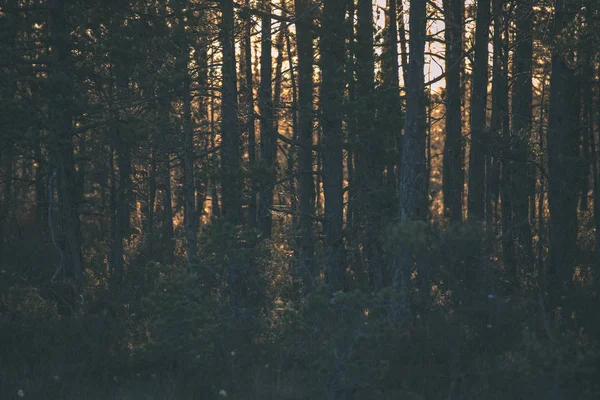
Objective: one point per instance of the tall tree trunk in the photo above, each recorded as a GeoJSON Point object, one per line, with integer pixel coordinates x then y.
{"type": "Point", "coordinates": [164, 177]}
{"type": "Point", "coordinates": [413, 186]}
{"type": "Point", "coordinates": [304, 35]}
{"type": "Point", "coordinates": [40, 190]}
{"type": "Point", "coordinates": [453, 176]}
{"type": "Point", "coordinates": [477, 153]}
{"type": "Point", "coordinates": [190, 220]}
{"type": "Point", "coordinates": [492, 165]}
{"type": "Point", "coordinates": [413, 171]}
{"type": "Point", "coordinates": [596, 189]}
{"type": "Point", "coordinates": [247, 112]}
{"type": "Point", "coordinates": [588, 121]}
{"type": "Point", "coordinates": [8, 135]}
{"type": "Point", "coordinates": [149, 215]}
{"type": "Point", "coordinates": [392, 108]}
{"type": "Point", "coordinates": [168, 230]}
{"type": "Point", "coordinates": [230, 153]}
{"type": "Point", "coordinates": [267, 129]}
{"type": "Point", "coordinates": [506, 205]}
{"type": "Point", "coordinates": [293, 149]}
{"type": "Point", "coordinates": [541, 220]}
{"type": "Point", "coordinates": [520, 175]}
{"type": "Point", "coordinates": [121, 144]}
{"type": "Point", "coordinates": [7, 205]}
{"type": "Point", "coordinates": [562, 167]}
{"type": "Point", "coordinates": [214, 197]}
{"type": "Point", "coordinates": [403, 41]}
{"type": "Point", "coordinates": [61, 117]}
{"type": "Point", "coordinates": [202, 83]}
{"type": "Point", "coordinates": [332, 57]}
{"type": "Point", "coordinates": [500, 131]}
{"type": "Point", "coordinates": [368, 157]}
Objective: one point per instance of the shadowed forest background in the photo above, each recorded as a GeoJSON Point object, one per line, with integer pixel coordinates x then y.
{"type": "Point", "coordinates": [299, 199]}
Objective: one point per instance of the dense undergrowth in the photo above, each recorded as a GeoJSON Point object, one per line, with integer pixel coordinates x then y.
{"type": "Point", "coordinates": [172, 331]}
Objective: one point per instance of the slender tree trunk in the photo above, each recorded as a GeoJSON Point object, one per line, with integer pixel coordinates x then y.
{"type": "Point", "coordinates": [41, 205]}
{"type": "Point", "coordinates": [413, 187]}
{"type": "Point", "coordinates": [267, 129]}
{"type": "Point", "coordinates": [541, 231]}
{"type": "Point", "coordinates": [247, 111]}
{"type": "Point", "coordinates": [392, 108]}
{"type": "Point", "coordinates": [562, 167]}
{"type": "Point", "coordinates": [7, 93]}
{"type": "Point", "coordinates": [332, 92]}
{"type": "Point", "coordinates": [202, 83]}
{"type": "Point", "coordinates": [304, 35]}
{"type": "Point", "coordinates": [368, 154]}
{"type": "Point", "coordinates": [588, 124]}
{"type": "Point", "coordinates": [122, 146]}
{"type": "Point", "coordinates": [500, 131]}
{"type": "Point", "coordinates": [151, 201]}
{"type": "Point", "coordinates": [403, 41]}
{"type": "Point", "coordinates": [596, 189]}
{"type": "Point", "coordinates": [492, 166]}
{"type": "Point", "coordinates": [413, 171]}
{"type": "Point", "coordinates": [61, 117]}
{"type": "Point", "coordinates": [230, 153]}
{"type": "Point", "coordinates": [278, 82]}
{"type": "Point", "coordinates": [214, 197]}
{"type": "Point", "coordinates": [164, 177]}
{"type": "Point", "coordinates": [293, 149]}
{"type": "Point", "coordinates": [190, 220]}
{"type": "Point", "coordinates": [521, 133]}
{"type": "Point", "coordinates": [477, 153]}
{"type": "Point", "coordinates": [453, 176]}
{"type": "Point", "coordinates": [7, 205]}
{"type": "Point", "coordinates": [168, 230]}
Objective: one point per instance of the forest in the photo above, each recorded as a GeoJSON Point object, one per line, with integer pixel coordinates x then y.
{"type": "Point", "coordinates": [299, 199]}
